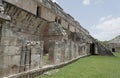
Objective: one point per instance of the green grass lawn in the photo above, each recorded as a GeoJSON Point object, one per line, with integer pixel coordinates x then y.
{"type": "Point", "coordinates": [90, 67]}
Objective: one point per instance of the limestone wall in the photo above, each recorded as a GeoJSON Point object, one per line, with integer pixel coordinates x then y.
{"type": "Point", "coordinates": [30, 5]}
{"type": "Point", "coordinates": [47, 14]}
{"type": "Point", "coordinates": [30, 42]}
{"type": "Point", "coordinates": [114, 47]}
{"type": "Point", "coordinates": [21, 42]}
{"type": "Point", "coordinates": [49, 11]}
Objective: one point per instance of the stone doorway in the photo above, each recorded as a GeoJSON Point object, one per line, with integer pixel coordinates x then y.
{"type": "Point", "coordinates": [48, 52]}
{"type": "Point", "coordinates": [113, 49]}
{"type": "Point", "coordinates": [92, 49]}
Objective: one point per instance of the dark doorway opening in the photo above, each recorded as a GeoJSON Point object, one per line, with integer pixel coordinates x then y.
{"type": "Point", "coordinates": [113, 49]}
{"type": "Point", "coordinates": [38, 13]}
{"type": "Point", "coordinates": [92, 49]}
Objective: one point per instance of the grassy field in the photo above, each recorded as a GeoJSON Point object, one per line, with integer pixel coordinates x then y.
{"type": "Point", "coordinates": [90, 67]}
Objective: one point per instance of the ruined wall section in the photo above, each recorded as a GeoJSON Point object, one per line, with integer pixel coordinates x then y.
{"type": "Point", "coordinates": [114, 44]}
{"type": "Point", "coordinates": [24, 28]}
{"type": "Point", "coordinates": [114, 47]}
{"type": "Point", "coordinates": [50, 11]}
{"type": "Point", "coordinates": [96, 48]}
{"type": "Point", "coordinates": [65, 48]}
{"type": "Point", "coordinates": [102, 50]}
{"type": "Point", "coordinates": [29, 6]}
{"type": "Point", "coordinates": [67, 21]}
{"type": "Point", "coordinates": [19, 53]}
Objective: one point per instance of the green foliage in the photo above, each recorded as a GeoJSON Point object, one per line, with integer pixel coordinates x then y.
{"type": "Point", "coordinates": [67, 30]}
{"type": "Point", "coordinates": [90, 67]}
{"type": "Point", "coordinates": [104, 42]}
{"type": "Point", "coordinates": [46, 59]}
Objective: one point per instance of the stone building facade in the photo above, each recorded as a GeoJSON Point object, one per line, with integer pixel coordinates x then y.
{"type": "Point", "coordinates": [114, 44]}
{"type": "Point", "coordinates": [35, 34]}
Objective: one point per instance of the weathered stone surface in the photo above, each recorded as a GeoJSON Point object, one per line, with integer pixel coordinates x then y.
{"type": "Point", "coordinates": [114, 44]}
{"type": "Point", "coordinates": [99, 49]}
{"type": "Point", "coordinates": [102, 50]}
{"type": "Point", "coordinates": [29, 42]}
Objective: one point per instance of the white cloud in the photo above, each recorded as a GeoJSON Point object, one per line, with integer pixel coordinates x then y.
{"type": "Point", "coordinates": [86, 2]}
{"type": "Point", "coordinates": [108, 28]}
{"type": "Point", "coordinates": [105, 18]}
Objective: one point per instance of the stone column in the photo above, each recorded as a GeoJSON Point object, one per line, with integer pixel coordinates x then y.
{"type": "Point", "coordinates": [3, 19]}
{"type": "Point", "coordinates": [51, 51]}
{"type": "Point", "coordinates": [41, 54]}
{"type": "Point", "coordinates": [63, 51]}
{"type": "Point", "coordinates": [72, 50]}
{"type": "Point", "coordinates": [58, 52]}
{"type": "Point", "coordinates": [76, 55]}
{"type": "Point", "coordinates": [67, 50]}
{"type": "Point", "coordinates": [2, 37]}
{"type": "Point", "coordinates": [0, 2]}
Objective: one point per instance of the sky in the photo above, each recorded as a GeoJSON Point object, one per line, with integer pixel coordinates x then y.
{"type": "Point", "coordinates": [100, 17]}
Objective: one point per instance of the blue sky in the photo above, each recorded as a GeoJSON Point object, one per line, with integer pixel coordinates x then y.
{"type": "Point", "coordinates": [100, 17]}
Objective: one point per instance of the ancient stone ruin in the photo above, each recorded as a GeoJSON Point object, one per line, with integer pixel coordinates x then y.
{"type": "Point", "coordinates": [114, 44]}
{"type": "Point", "coordinates": [37, 35]}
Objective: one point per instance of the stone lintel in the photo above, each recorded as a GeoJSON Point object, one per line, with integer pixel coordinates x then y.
{"type": "Point", "coordinates": [4, 17]}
